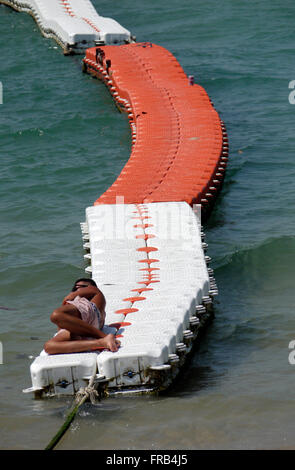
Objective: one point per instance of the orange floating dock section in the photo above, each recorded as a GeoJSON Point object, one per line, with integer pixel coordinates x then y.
{"type": "Point", "coordinates": [179, 144]}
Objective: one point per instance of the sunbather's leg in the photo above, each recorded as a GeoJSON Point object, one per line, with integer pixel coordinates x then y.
{"type": "Point", "coordinates": [68, 317]}
{"type": "Point", "coordinates": [63, 344]}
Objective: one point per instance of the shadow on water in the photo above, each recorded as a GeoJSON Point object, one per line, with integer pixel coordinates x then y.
{"type": "Point", "coordinates": [197, 374]}
{"type": "Point", "coordinates": [245, 324]}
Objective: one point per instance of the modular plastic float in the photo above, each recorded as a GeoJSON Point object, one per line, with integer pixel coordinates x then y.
{"type": "Point", "coordinates": [159, 294]}
{"type": "Point", "coordinates": [74, 24]}
{"type": "Point", "coordinates": [143, 237]}
{"type": "Point", "coordinates": [179, 144]}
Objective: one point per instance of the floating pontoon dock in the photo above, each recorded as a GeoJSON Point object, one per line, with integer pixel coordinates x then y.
{"type": "Point", "coordinates": [143, 237]}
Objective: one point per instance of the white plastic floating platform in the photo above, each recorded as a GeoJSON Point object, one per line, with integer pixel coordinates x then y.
{"type": "Point", "coordinates": [74, 24]}
{"type": "Point", "coordinates": [149, 261]}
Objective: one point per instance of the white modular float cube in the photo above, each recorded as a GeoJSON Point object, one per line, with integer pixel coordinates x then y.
{"type": "Point", "coordinates": [161, 317]}
{"type": "Point", "coordinates": [155, 322]}
{"type": "Point", "coordinates": [74, 24]}
{"type": "Point", "coordinates": [130, 366]}
{"type": "Point", "coordinates": [62, 373]}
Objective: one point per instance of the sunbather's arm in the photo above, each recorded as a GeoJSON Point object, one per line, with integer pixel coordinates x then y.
{"type": "Point", "coordinates": [89, 292]}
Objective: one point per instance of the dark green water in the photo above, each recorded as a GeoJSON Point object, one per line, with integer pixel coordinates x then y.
{"type": "Point", "coordinates": [63, 143]}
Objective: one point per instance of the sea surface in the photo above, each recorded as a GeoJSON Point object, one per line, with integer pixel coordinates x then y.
{"type": "Point", "coordinates": [63, 143]}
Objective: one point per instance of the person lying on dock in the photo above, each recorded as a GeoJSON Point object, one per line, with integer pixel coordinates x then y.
{"type": "Point", "coordinates": [80, 320]}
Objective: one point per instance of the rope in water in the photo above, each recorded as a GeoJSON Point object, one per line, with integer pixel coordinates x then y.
{"type": "Point", "coordinates": [82, 395]}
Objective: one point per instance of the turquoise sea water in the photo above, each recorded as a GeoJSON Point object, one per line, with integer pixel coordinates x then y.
{"type": "Point", "coordinates": [63, 143]}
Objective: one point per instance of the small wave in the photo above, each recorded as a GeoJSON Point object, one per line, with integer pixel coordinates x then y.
{"type": "Point", "coordinates": [273, 250]}
{"type": "Point", "coordinates": [263, 273]}
{"type": "Point", "coordinates": [40, 277]}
